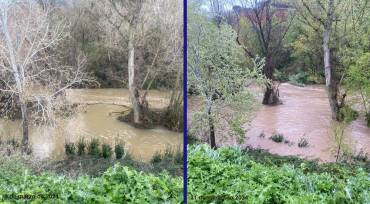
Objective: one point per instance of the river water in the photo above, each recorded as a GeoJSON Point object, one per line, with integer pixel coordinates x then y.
{"type": "Point", "coordinates": [305, 113]}
{"type": "Point", "coordinates": [98, 119]}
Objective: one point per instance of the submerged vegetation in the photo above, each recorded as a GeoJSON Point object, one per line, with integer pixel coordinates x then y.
{"type": "Point", "coordinates": [233, 175]}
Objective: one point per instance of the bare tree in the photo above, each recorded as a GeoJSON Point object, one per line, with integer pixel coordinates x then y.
{"type": "Point", "coordinates": [154, 24]}
{"type": "Point", "coordinates": [30, 69]}
{"type": "Point", "coordinates": [269, 25]}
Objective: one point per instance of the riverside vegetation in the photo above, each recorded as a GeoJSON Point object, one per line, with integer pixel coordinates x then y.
{"type": "Point", "coordinates": [90, 174]}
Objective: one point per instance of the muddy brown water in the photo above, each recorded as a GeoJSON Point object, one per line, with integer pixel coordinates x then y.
{"type": "Point", "coordinates": [305, 113]}
{"type": "Point", "coordinates": [98, 120]}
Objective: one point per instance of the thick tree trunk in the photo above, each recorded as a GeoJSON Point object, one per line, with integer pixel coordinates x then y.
{"type": "Point", "coordinates": [212, 138]}
{"type": "Point", "coordinates": [270, 97]}
{"type": "Point", "coordinates": [330, 82]}
{"type": "Point", "coordinates": [134, 93]}
{"type": "Point", "coordinates": [24, 125]}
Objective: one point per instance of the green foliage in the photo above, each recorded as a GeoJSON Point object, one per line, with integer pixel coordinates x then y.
{"type": "Point", "coordinates": [347, 114]}
{"type": "Point", "coordinates": [229, 175]}
{"type": "Point", "coordinates": [219, 71]}
{"type": "Point", "coordinates": [70, 148]}
{"type": "Point", "coordinates": [94, 147]}
{"type": "Point", "coordinates": [117, 185]}
{"type": "Point", "coordinates": [81, 147]}
{"type": "Point", "coordinates": [106, 151]}
{"type": "Point", "coordinates": [119, 151]}
{"type": "Point", "coordinates": [299, 79]}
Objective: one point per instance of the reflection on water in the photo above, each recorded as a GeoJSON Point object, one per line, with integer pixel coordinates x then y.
{"type": "Point", "coordinates": [305, 113]}
{"type": "Point", "coordinates": [98, 121]}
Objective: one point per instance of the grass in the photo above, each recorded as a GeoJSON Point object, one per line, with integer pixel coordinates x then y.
{"type": "Point", "coordinates": [93, 147]}
{"type": "Point", "coordinates": [81, 147]}
{"type": "Point", "coordinates": [119, 151]}
{"type": "Point", "coordinates": [106, 151]}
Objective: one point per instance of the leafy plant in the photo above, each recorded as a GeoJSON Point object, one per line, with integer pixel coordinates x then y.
{"type": "Point", "coordinates": [232, 175]}
{"type": "Point", "coordinates": [117, 185]}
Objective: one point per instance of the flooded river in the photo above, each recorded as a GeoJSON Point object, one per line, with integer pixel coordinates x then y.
{"type": "Point", "coordinates": [98, 120]}
{"type": "Point", "coordinates": [305, 113]}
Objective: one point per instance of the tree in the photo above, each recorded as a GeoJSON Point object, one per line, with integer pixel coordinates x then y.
{"type": "Point", "coordinates": [30, 71]}
{"type": "Point", "coordinates": [150, 24]}
{"type": "Point", "coordinates": [335, 20]}
{"type": "Point", "coordinates": [217, 69]}
{"type": "Point", "coordinates": [261, 27]}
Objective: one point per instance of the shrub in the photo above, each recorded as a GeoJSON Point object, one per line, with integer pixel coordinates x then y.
{"type": "Point", "coordinates": [368, 119]}
{"type": "Point", "coordinates": [119, 151]}
{"type": "Point", "coordinates": [277, 138]}
{"type": "Point", "coordinates": [81, 147]}
{"type": "Point", "coordinates": [303, 142]}
{"type": "Point", "coordinates": [106, 151]}
{"type": "Point", "coordinates": [94, 147]}
{"type": "Point", "coordinates": [70, 148]}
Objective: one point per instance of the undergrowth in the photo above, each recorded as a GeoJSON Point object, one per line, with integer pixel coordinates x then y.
{"type": "Point", "coordinates": [232, 175]}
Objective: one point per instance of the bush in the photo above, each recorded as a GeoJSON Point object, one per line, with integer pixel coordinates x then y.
{"type": "Point", "coordinates": [81, 147]}
{"type": "Point", "coordinates": [229, 175]}
{"type": "Point", "coordinates": [277, 138]}
{"type": "Point", "coordinates": [117, 185]}
{"type": "Point", "coordinates": [303, 142]}
{"type": "Point", "coordinates": [368, 119]}
{"type": "Point", "coordinates": [94, 147]}
{"type": "Point", "coordinates": [119, 151]}
{"type": "Point", "coordinates": [106, 151]}
{"type": "Point", "coordinates": [347, 114]}
{"type": "Point", "coordinates": [70, 148]}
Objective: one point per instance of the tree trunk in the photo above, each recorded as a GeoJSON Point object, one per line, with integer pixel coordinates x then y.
{"type": "Point", "coordinates": [330, 82]}
{"type": "Point", "coordinates": [24, 125]}
{"type": "Point", "coordinates": [134, 93]}
{"type": "Point", "coordinates": [212, 138]}
{"type": "Point", "coordinates": [270, 97]}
